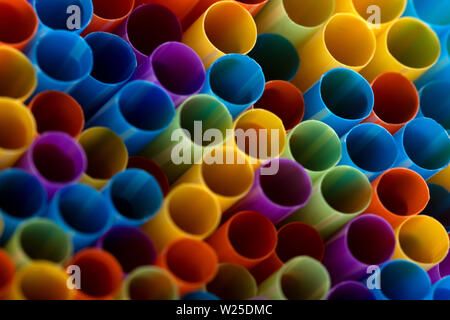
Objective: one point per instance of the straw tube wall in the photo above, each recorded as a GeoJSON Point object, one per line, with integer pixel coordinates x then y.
{"type": "Point", "coordinates": [7, 273]}
{"type": "Point", "coordinates": [350, 290]}
{"type": "Point", "coordinates": [433, 12]}
{"type": "Point", "coordinates": [435, 102]}
{"type": "Point", "coordinates": [108, 15]}
{"type": "Point", "coordinates": [439, 205]}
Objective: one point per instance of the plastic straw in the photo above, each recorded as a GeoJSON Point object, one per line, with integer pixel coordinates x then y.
{"type": "Point", "coordinates": [442, 178]}
{"type": "Point", "coordinates": [435, 102]}
{"type": "Point", "coordinates": [7, 273]}
{"type": "Point", "coordinates": [108, 15]}
{"type": "Point", "coordinates": [149, 166]}
{"type": "Point", "coordinates": [432, 12]}
{"type": "Point", "coordinates": [180, 8]}
{"type": "Point", "coordinates": [439, 205]}
{"type": "Point", "coordinates": [199, 295]}
{"type": "Point", "coordinates": [350, 290]}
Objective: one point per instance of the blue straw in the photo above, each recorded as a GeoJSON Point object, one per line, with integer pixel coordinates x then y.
{"type": "Point", "coordinates": [435, 102]}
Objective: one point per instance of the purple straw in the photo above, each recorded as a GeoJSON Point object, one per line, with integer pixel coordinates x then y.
{"type": "Point", "coordinates": [350, 290]}
{"type": "Point", "coordinates": [131, 247]}
{"type": "Point", "coordinates": [175, 67]}
{"type": "Point", "coordinates": [440, 271]}
{"type": "Point", "coordinates": [367, 240]}
{"type": "Point", "coordinates": [278, 195]}
{"type": "Point", "coordinates": [56, 160]}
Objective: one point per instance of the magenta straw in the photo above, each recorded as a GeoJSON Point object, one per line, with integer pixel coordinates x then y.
{"type": "Point", "coordinates": [367, 240]}
{"type": "Point", "coordinates": [277, 195]}
{"type": "Point", "coordinates": [176, 68]}
{"type": "Point", "coordinates": [441, 270]}
{"type": "Point", "coordinates": [350, 290]}
{"type": "Point", "coordinates": [56, 160]}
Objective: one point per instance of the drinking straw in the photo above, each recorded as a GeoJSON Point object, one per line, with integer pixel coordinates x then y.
{"type": "Point", "coordinates": [149, 283]}
{"type": "Point", "coordinates": [57, 16]}
{"type": "Point", "coordinates": [55, 159]}
{"type": "Point", "coordinates": [367, 240]}
{"type": "Point", "coordinates": [281, 186]}
{"type": "Point", "coordinates": [21, 197]}
{"type": "Point", "coordinates": [138, 113]}
{"type": "Point", "coordinates": [147, 27]}
{"type": "Point", "coordinates": [369, 148]}
{"type": "Point", "coordinates": [411, 58]}
{"type": "Point", "coordinates": [119, 240]}
{"type": "Point", "coordinates": [253, 6]}
{"type": "Point", "coordinates": [235, 80]}
{"type": "Point", "coordinates": [133, 196]}
{"type": "Point", "coordinates": [435, 102]}
{"type": "Point", "coordinates": [181, 145]}
{"type": "Point", "coordinates": [245, 239]}
{"type": "Point", "coordinates": [301, 278]}
{"type": "Point", "coordinates": [17, 131]}
{"type": "Point", "coordinates": [57, 111]}
{"type": "Point", "coordinates": [389, 10]}
{"type": "Point", "coordinates": [260, 134]}
{"type": "Point", "coordinates": [191, 262]}
{"type": "Point", "coordinates": [114, 64]}
{"type": "Point", "coordinates": [422, 240]}
{"type": "Point", "coordinates": [402, 280]}
{"type": "Point", "coordinates": [442, 178]}
{"type": "Point", "coordinates": [18, 23]}
{"type": "Point", "coordinates": [176, 68]}
{"type": "Point", "coordinates": [341, 98]}
{"type": "Point", "coordinates": [284, 100]}
{"type": "Point", "coordinates": [39, 239]}
{"type": "Point", "coordinates": [345, 41]}
{"type": "Point", "coordinates": [439, 205]}
{"type": "Point", "coordinates": [441, 270]}
{"type": "Point", "coordinates": [433, 12]}
{"type": "Point", "coordinates": [294, 239]}
{"type": "Point", "coordinates": [315, 146]}
{"type": "Point", "coordinates": [423, 146]}
{"type": "Point", "coordinates": [61, 59]}
{"type": "Point", "coordinates": [277, 57]}
{"type": "Point", "coordinates": [7, 273]}
{"type": "Point", "coordinates": [108, 15]}
{"type": "Point", "coordinates": [106, 155]}
{"type": "Point", "coordinates": [149, 166]}
{"type": "Point", "coordinates": [17, 75]}
{"type": "Point", "coordinates": [180, 8]}
{"type": "Point", "coordinates": [297, 20]}
{"type": "Point", "coordinates": [398, 194]}
{"type": "Point", "coordinates": [225, 27]}
{"type": "Point", "coordinates": [350, 290]}
{"type": "Point", "coordinates": [82, 212]}
{"type": "Point", "coordinates": [232, 282]}
{"type": "Point", "coordinates": [41, 280]}
{"type": "Point", "coordinates": [222, 173]}
{"type": "Point", "coordinates": [181, 217]}
{"type": "Point", "coordinates": [396, 101]}
{"type": "Point", "coordinates": [101, 274]}
{"type": "Point", "coordinates": [440, 290]}
{"type": "Point", "coordinates": [338, 197]}
{"type": "Point", "coordinates": [200, 295]}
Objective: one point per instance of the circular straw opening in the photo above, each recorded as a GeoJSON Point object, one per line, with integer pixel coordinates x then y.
{"type": "Point", "coordinates": [252, 235]}
{"type": "Point", "coordinates": [227, 179]}
{"type": "Point", "coordinates": [355, 99]}
{"type": "Point", "coordinates": [114, 61]}
{"type": "Point", "coordinates": [150, 283]}
{"type": "Point", "coordinates": [149, 166]}
{"type": "Point", "coordinates": [371, 147]}
{"type": "Point", "coordinates": [191, 261]}
{"type": "Point", "coordinates": [289, 187]}
{"type": "Point", "coordinates": [146, 106]}
{"type": "Point", "coordinates": [439, 205]}
{"type": "Point", "coordinates": [350, 290]}
{"type": "Point", "coordinates": [304, 146]}
{"type": "Point", "coordinates": [151, 25]}
{"type": "Point", "coordinates": [53, 14]}
{"type": "Point", "coordinates": [371, 240]}
{"type": "Point", "coordinates": [349, 40]}
{"type": "Point", "coordinates": [17, 129]}
{"type": "Point", "coordinates": [309, 13]}
{"type": "Point", "coordinates": [423, 239]}
{"type": "Point", "coordinates": [57, 111]}
{"type": "Point", "coordinates": [178, 68]}
{"type": "Point", "coordinates": [237, 37]}
{"type": "Point", "coordinates": [389, 9]}
{"type": "Point", "coordinates": [207, 110]}
{"type": "Point", "coordinates": [197, 217]}
{"type": "Point", "coordinates": [427, 143]}
{"type": "Point", "coordinates": [346, 190]}
{"type": "Point", "coordinates": [83, 208]}
{"type": "Point", "coordinates": [299, 239]}
{"type": "Point", "coordinates": [21, 194]}
{"type": "Point", "coordinates": [44, 240]}
{"type": "Point", "coordinates": [402, 192]}
{"type": "Point", "coordinates": [135, 194]}
{"type": "Point", "coordinates": [433, 11]}
{"type": "Point", "coordinates": [422, 48]}
{"type": "Point", "coordinates": [396, 98]}
{"type": "Point", "coordinates": [18, 21]}
{"type": "Point", "coordinates": [39, 275]}
{"type": "Point", "coordinates": [435, 102]}
{"type": "Point", "coordinates": [72, 52]}
{"type": "Point", "coordinates": [237, 79]}
{"type": "Point", "coordinates": [112, 9]}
